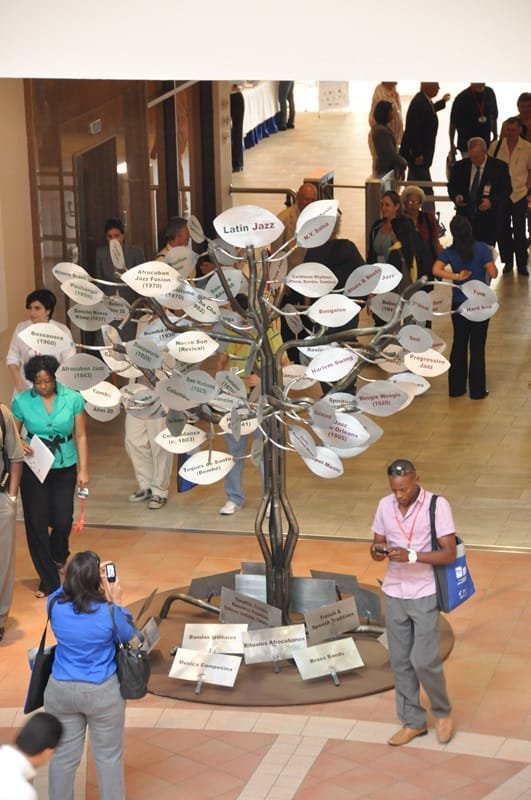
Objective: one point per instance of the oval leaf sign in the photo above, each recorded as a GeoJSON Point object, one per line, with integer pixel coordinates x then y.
{"type": "Point", "coordinates": [248, 425]}
{"type": "Point", "coordinates": [248, 225]}
{"type": "Point", "coordinates": [103, 394]}
{"type": "Point", "coordinates": [82, 291]}
{"type": "Point", "coordinates": [190, 438]}
{"type": "Point", "coordinates": [192, 347]}
{"type": "Point", "coordinates": [82, 371]}
{"type": "Point", "coordinates": [311, 280]}
{"type": "Point", "coordinates": [333, 310]}
{"type": "Point", "coordinates": [102, 413]}
{"type": "Point", "coordinates": [144, 353]}
{"type": "Point", "coordinates": [214, 287]}
{"type": "Point", "coordinates": [325, 464]}
{"type": "Point", "coordinates": [46, 338]}
{"type": "Point", "coordinates": [206, 467]}
{"type": "Point", "coordinates": [421, 384]}
{"type": "Point", "coordinates": [430, 363]}
{"type": "Point", "coordinates": [294, 376]}
{"type": "Point", "coordinates": [345, 432]}
{"type": "Point", "coordinates": [181, 259]}
{"type": "Point", "coordinates": [152, 278]}
{"type": "Point", "coordinates": [91, 318]}
{"type": "Point", "coordinates": [390, 277]}
{"type": "Point", "coordinates": [382, 398]}
{"type": "Point", "coordinates": [302, 441]}
{"type": "Point", "coordinates": [318, 208]}
{"type": "Point", "coordinates": [415, 339]}
{"type": "Point", "coordinates": [332, 364]}
{"type": "Point", "coordinates": [420, 306]}
{"type": "Point", "coordinates": [363, 280]}
{"type": "Point", "coordinates": [65, 270]}
{"type": "Point", "coordinates": [384, 305]}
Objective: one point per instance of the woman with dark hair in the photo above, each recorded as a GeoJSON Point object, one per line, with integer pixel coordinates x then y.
{"type": "Point", "coordinates": [40, 305]}
{"type": "Point", "coordinates": [466, 260]}
{"type": "Point", "coordinates": [383, 141]}
{"type": "Point", "coordinates": [392, 240]}
{"type": "Point", "coordinates": [83, 689]}
{"type": "Point", "coordinates": [54, 413]}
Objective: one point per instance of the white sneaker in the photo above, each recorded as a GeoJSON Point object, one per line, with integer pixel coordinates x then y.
{"type": "Point", "coordinates": [229, 508]}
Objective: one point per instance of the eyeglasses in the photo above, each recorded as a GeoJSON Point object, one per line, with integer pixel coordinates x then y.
{"type": "Point", "coordinates": [399, 468]}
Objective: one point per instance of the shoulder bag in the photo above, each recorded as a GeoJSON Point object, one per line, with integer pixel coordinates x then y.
{"type": "Point", "coordinates": [132, 665]}
{"type": "Point", "coordinates": [41, 670]}
{"type": "Point", "coordinates": [453, 581]}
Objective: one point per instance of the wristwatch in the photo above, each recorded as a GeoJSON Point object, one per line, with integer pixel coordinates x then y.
{"type": "Point", "coordinates": [412, 556]}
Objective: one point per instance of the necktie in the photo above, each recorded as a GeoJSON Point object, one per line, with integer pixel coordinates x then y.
{"type": "Point", "coordinates": [473, 193]}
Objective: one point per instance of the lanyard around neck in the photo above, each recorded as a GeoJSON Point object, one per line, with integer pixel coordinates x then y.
{"type": "Point", "coordinates": [409, 535]}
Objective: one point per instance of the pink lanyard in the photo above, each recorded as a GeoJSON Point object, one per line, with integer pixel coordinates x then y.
{"type": "Point", "coordinates": [409, 535]}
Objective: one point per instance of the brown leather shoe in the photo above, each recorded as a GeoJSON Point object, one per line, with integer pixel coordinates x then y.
{"type": "Point", "coordinates": [405, 735]}
{"type": "Point", "coordinates": [444, 727]}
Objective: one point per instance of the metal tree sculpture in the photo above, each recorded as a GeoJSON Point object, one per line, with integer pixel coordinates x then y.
{"type": "Point", "coordinates": [322, 431]}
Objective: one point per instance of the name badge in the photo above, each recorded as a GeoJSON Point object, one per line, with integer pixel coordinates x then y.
{"type": "Point", "coordinates": [482, 120]}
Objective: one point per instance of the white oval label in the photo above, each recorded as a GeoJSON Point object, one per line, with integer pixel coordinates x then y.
{"type": "Point", "coordinates": [206, 467]}
{"type": "Point", "coordinates": [82, 371]}
{"type": "Point", "coordinates": [242, 226]}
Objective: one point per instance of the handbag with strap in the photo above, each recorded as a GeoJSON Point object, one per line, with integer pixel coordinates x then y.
{"type": "Point", "coordinates": [41, 670]}
{"type": "Point", "coordinates": [133, 667]}
{"type": "Point", "coordinates": [453, 581]}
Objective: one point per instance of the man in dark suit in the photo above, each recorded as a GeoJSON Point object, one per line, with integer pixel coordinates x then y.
{"type": "Point", "coordinates": [111, 263]}
{"type": "Point", "coordinates": [480, 187]}
{"type": "Point", "coordinates": [418, 142]}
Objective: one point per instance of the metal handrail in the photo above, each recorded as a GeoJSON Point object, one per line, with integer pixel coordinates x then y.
{"type": "Point", "coordinates": [262, 190]}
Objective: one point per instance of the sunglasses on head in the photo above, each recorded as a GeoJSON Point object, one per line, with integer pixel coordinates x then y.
{"type": "Point", "coordinates": [399, 468]}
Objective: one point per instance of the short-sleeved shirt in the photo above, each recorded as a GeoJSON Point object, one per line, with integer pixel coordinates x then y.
{"type": "Point", "coordinates": [481, 257]}
{"type": "Point", "coordinates": [20, 353]}
{"type": "Point", "coordinates": [17, 775]}
{"type": "Point", "coordinates": [86, 642]}
{"type": "Point", "coordinates": [405, 580]}
{"type": "Point", "coordinates": [29, 408]}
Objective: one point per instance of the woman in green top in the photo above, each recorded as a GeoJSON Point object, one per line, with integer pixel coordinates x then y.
{"type": "Point", "coordinates": [54, 413]}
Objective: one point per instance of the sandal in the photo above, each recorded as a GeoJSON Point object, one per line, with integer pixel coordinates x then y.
{"type": "Point", "coordinates": [40, 594]}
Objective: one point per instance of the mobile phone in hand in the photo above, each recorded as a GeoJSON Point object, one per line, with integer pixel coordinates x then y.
{"type": "Point", "coordinates": [110, 572]}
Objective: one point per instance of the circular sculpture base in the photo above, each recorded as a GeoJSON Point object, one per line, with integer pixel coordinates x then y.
{"type": "Point", "coordinates": [258, 684]}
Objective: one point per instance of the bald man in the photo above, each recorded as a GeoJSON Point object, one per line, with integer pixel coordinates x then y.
{"type": "Point", "coordinates": [306, 194]}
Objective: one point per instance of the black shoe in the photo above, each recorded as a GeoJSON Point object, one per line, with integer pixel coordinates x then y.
{"type": "Point", "coordinates": [282, 127]}
{"type": "Point", "coordinates": [480, 396]}
{"type": "Point", "coordinates": [290, 125]}
{"type": "Point", "coordinates": [524, 272]}
{"type": "Point", "coordinates": [507, 268]}
{"type": "Point", "coordinates": [1, 634]}
{"type": "Point", "coordinates": [456, 394]}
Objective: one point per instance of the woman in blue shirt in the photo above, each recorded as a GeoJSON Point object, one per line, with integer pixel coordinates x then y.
{"type": "Point", "coordinates": [83, 689]}
{"type": "Point", "coordinates": [55, 414]}
{"type": "Point", "coordinates": [466, 260]}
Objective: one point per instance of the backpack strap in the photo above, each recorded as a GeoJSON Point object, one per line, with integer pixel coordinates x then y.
{"type": "Point", "coordinates": [434, 542]}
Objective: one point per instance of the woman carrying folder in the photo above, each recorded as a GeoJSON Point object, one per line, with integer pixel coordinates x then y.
{"type": "Point", "coordinates": [55, 414]}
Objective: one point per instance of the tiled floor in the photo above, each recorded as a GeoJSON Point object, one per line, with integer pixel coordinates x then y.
{"type": "Point", "coordinates": [181, 750]}
{"type": "Point", "coordinates": [478, 454]}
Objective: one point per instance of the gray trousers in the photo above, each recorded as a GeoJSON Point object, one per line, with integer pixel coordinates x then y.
{"type": "Point", "coordinates": [413, 638]}
{"type": "Point", "coordinates": [102, 708]}
{"type": "Point", "coordinates": [8, 514]}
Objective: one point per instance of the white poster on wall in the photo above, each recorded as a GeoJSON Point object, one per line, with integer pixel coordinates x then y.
{"type": "Point", "coordinates": [333, 95]}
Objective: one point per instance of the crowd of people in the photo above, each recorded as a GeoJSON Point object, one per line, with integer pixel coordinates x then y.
{"type": "Point", "coordinates": [490, 186]}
